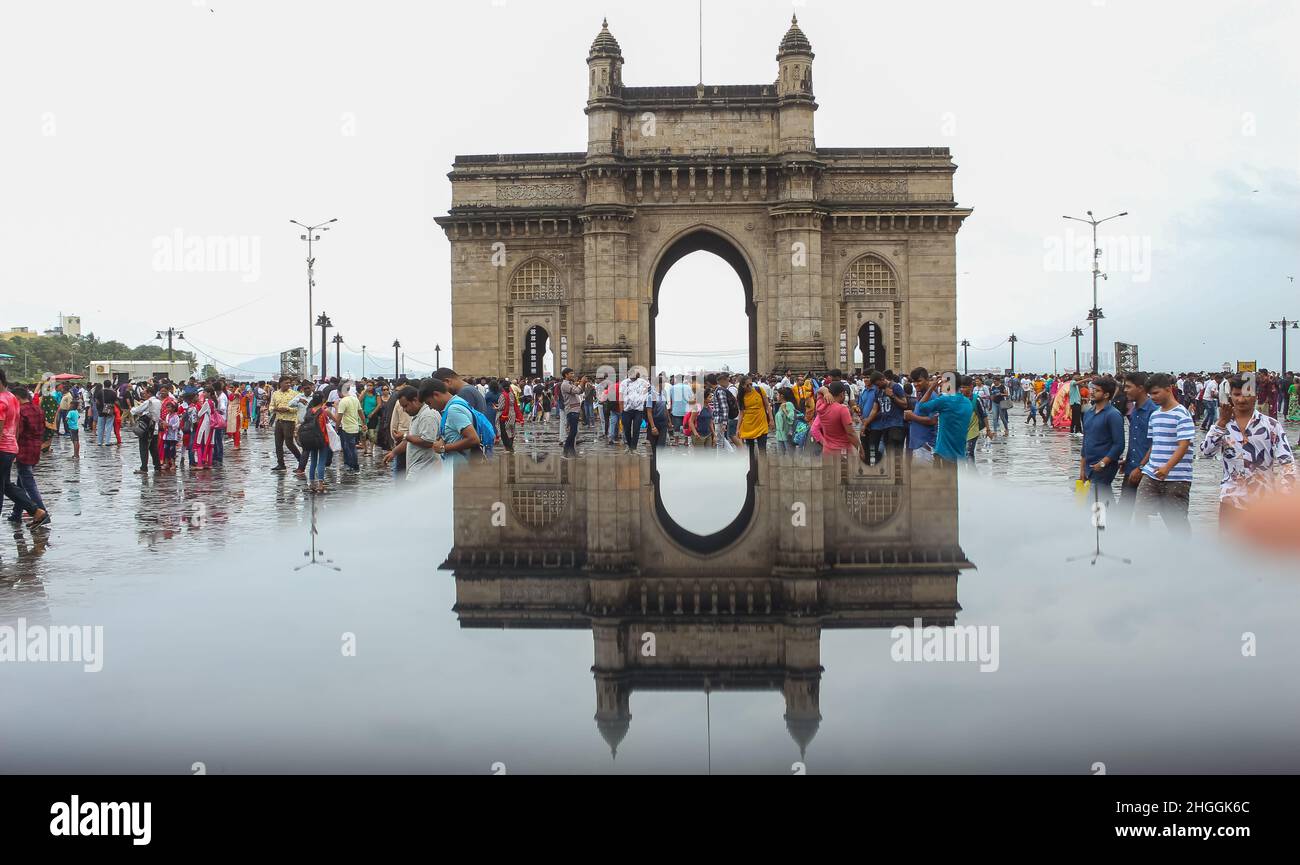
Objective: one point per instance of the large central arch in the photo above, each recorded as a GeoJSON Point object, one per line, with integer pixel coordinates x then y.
{"type": "Point", "coordinates": [705, 239]}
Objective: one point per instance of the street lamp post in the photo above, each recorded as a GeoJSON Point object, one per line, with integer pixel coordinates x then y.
{"type": "Point", "coordinates": [1013, 340]}
{"type": "Point", "coordinates": [965, 356]}
{"type": "Point", "coordinates": [437, 356]}
{"type": "Point", "coordinates": [338, 361]}
{"type": "Point", "coordinates": [310, 237]}
{"type": "Point", "coordinates": [171, 332]}
{"type": "Point", "coordinates": [363, 360]}
{"type": "Point", "coordinates": [324, 323]}
{"type": "Point", "coordinates": [1094, 315]}
{"type": "Point", "coordinates": [1076, 333]}
{"type": "Point", "coordinates": [397, 345]}
{"type": "Point", "coordinates": [1284, 324]}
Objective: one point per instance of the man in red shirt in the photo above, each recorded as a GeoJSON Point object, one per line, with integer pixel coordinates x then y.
{"type": "Point", "coordinates": [10, 419]}
{"type": "Point", "coordinates": [31, 432]}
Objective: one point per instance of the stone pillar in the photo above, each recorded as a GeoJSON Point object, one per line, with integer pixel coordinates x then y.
{"type": "Point", "coordinates": [801, 338]}
{"type": "Point", "coordinates": [611, 306]}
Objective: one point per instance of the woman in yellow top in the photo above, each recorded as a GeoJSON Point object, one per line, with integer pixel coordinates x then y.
{"type": "Point", "coordinates": [755, 414]}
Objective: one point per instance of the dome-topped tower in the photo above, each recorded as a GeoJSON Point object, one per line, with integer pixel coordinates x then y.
{"type": "Point", "coordinates": [794, 42]}
{"type": "Point", "coordinates": [604, 95]}
{"type": "Point", "coordinates": [794, 59]}
{"type": "Point", "coordinates": [605, 62]}
{"type": "Point", "coordinates": [605, 44]}
{"type": "Point", "coordinates": [794, 88]}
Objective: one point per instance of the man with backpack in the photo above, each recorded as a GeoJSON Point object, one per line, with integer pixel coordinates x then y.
{"type": "Point", "coordinates": [465, 431]}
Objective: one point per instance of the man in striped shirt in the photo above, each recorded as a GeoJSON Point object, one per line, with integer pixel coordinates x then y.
{"type": "Point", "coordinates": [1167, 475]}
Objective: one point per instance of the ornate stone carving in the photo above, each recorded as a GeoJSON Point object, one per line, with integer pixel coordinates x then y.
{"type": "Point", "coordinates": [848, 186]}
{"type": "Point", "coordinates": [536, 192]}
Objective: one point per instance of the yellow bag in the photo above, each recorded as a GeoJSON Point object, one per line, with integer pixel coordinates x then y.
{"type": "Point", "coordinates": [1081, 489]}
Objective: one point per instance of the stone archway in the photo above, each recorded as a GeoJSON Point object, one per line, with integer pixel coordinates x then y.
{"type": "Point", "coordinates": [732, 169]}
{"type": "Point", "coordinates": [707, 239]}
{"type": "Point", "coordinates": [534, 351]}
{"type": "Point", "coordinates": [871, 342]}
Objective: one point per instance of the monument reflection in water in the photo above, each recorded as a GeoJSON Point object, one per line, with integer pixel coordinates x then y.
{"type": "Point", "coordinates": [542, 542]}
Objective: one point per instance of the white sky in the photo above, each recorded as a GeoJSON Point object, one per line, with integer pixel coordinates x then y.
{"type": "Point", "coordinates": [125, 122]}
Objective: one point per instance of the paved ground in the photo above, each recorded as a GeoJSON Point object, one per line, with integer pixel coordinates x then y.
{"type": "Point", "coordinates": [107, 518]}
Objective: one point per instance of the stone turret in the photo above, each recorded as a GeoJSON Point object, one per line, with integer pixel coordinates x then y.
{"type": "Point", "coordinates": [794, 87]}
{"type": "Point", "coordinates": [604, 94]}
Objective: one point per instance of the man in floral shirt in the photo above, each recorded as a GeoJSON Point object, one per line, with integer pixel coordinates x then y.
{"type": "Point", "coordinates": [1257, 457]}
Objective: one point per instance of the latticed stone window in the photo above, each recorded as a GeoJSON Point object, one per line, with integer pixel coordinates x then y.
{"type": "Point", "coordinates": [536, 280]}
{"type": "Point", "coordinates": [538, 508]}
{"type": "Point", "coordinates": [869, 276]}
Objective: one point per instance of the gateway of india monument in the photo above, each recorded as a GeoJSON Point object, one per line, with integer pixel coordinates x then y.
{"type": "Point", "coordinates": [836, 248]}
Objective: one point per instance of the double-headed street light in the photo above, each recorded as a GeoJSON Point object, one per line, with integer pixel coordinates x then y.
{"type": "Point", "coordinates": [1076, 333]}
{"type": "Point", "coordinates": [324, 323]}
{"type": "Point", "coordinates": [1094, 315]}
{"type": "Point", "coordinates": [965, 356]}
{"type": "Point", "coordinates": [310, 237]}
{"type": "Point", "coordinates": [1013, 339]}
{"type": "Point", "coordinates": [1285, 324]}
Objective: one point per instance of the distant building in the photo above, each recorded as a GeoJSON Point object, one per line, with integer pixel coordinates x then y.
{"type": "Point", "coordinates": [69, 325]}
{"type": "Point", "coordinates": [18, 333]}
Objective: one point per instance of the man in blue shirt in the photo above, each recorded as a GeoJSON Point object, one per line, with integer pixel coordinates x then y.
{"type": "Point", "coordinates": [458, 436]}
{"type": "Point", "coordinates": [884, 421]}
{"type": "Point", "coordinates": [953, 412]}
{"type": "Point", "coordinates": [1103, 438]}
{"type": "Point", "coordinates": [920, 431]}
{"type": "Point", "coordinates": [679, 392]}
{"type": "Point", "coordinates": [1139, 436]}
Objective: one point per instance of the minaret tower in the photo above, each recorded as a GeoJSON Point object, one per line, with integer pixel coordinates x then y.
{"type": "Point", "coordinates": [794, 87]}
{"type": "Point", "coordinates": [604, 94]}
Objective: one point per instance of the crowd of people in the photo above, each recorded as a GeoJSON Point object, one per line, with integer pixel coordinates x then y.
{"type": "Point", "coordinates": [1139, 427]}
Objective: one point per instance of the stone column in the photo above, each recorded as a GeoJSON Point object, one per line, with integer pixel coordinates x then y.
{"type": "Point", "coordinates": [801, 339]}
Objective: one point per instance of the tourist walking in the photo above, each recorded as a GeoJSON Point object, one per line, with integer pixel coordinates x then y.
{"type": "Point", "coordinates": [1167, 475]}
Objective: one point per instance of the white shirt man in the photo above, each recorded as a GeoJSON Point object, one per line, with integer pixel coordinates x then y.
{"type": "Point", "coordinates": [634, 392]}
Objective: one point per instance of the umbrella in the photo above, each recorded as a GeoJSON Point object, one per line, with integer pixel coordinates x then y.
{"type": "Point", "coordinates": [64, 376]}
{"type": "Point", "coordinates": [10, 356]}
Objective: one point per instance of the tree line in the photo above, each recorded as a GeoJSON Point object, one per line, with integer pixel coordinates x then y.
{"type": "Point", "coordinates": [34, 355]}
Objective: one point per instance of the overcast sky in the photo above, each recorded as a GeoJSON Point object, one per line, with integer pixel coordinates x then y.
{"type": "Point", "coordinates": [126, 123]}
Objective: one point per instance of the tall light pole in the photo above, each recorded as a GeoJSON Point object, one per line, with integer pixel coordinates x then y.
{"type": "Point", "coordinates": [310, 237]}
{"type": "Point", "coordinates": [171, 332]}
{"type": "Point", "coordinates": [965, 356]}
{"type": "Point", "coordinates": [363, 360]}
{"type": "Point", "coordinates": [324, 323]}
{"type": "Point", "coordinates": [437, 356]}
{"type": "Point", "coordinates": [338, 360]}
{"type": "Point", "coordinates": [397, 345]}
{"type": "Point", "coordinates": [1094, 315]}
{"type": "Point", "coordinates": [1284, 324]}
{"type": "Point", "coordinates": [1013, 340]}
{"type": "Point", "coordinates": [1076, 333]}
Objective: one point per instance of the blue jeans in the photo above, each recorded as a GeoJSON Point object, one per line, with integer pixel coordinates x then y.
{"type": "Point", "coordinates": [570, 440]}
{"type": "Point", "coordinates": [350, 449]}
{"type": "Point", "coordinates": [1211, 414]}
{"type": "Point", "coordinates": [218, 445]}
{"type": "Point", "coordinates": [27, 481]}
{"type": "Point", "coordinates": [632, 426]}
{"type": "Point", "coordinates": [105, 434]}
{"type": "Point", "coordinates": [316, 464]}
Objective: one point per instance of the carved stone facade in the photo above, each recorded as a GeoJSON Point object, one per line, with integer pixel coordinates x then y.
{"type": "Point", "coordinates": [733, 169]}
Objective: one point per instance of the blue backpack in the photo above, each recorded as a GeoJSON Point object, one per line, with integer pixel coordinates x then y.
{"type": "Point", "coordinates": [487, 433]}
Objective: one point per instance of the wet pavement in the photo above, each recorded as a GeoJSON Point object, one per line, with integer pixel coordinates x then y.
{"type": "Point", "coordinates": [502, 614]}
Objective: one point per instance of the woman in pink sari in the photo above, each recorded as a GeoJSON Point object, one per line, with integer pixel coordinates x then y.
{"type": "Point", "coordinates": [204, 428]}
{"type": "Point", "coordinates": [1061, 403]}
